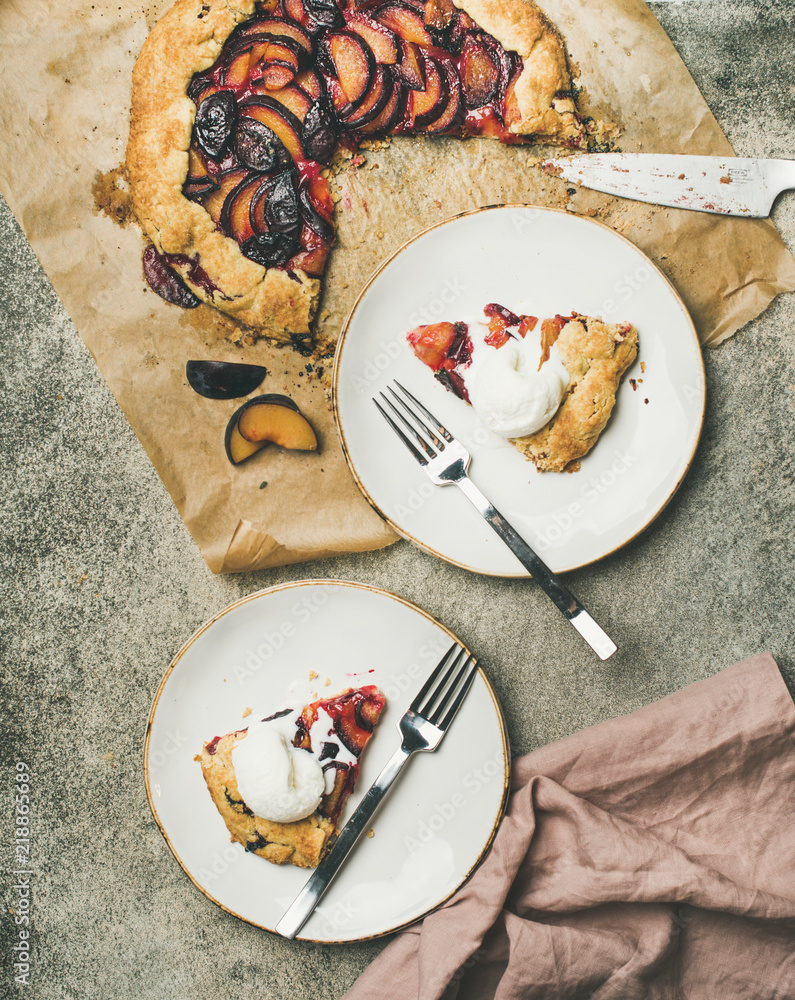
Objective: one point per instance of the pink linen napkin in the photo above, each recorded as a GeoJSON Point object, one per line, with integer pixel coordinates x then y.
{"type": "Point", "coordinates": [651, 856]}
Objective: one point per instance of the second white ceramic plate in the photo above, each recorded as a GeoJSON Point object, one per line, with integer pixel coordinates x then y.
{"type": "Point", "coordinates": [557, 263]}
{"type": "Point", "coordinates": [290, 645]}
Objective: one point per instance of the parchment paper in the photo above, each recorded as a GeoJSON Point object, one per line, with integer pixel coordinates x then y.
{"type": "Point", "coordinates": [66, 88]}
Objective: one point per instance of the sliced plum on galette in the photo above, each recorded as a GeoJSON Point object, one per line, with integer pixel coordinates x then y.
{"type": "Point", "coordinates": [238, 107]}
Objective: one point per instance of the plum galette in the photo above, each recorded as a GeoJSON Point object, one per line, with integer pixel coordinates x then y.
{"type": "Point", "coordinates": [281, 784]}
{"type": "Point", "coordinates": [548, 387]}
{"type": "Point", "coordinates": [237, 107]}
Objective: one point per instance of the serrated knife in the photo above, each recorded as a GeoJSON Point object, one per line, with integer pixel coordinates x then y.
{"type": "Point", "coordinates": [724, 185]}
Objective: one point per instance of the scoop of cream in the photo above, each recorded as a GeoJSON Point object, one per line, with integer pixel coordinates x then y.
{"type": "Point", "coordinates": [277, 781]}
{"type": "Point", "coordinates": [511, 395]}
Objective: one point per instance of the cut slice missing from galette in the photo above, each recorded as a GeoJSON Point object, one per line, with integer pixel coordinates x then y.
{"type": "Point", "coordinates": [281, 784]}
{"type": "Point", "coordinates": [238, 107]}
{"type": "Point", "coordinates": [549, 387]}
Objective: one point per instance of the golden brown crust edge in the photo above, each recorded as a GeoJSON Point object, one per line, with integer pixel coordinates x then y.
{"type": "Point", "coordinates": [596, 355]}
{"type": "Point", "coordinates": [541, 104]}
{"type": "Point", "coordinates": [188, 39]}
{"type": "Point", "coordinates": [302, 843]}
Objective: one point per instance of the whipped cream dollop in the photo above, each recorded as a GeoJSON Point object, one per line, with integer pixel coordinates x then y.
{"type": "Point", "coordinates": [511, 395]}
{"type": "Point", "coordinates": [276, 780]}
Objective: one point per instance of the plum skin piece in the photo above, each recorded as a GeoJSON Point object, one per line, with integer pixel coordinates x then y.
{"type": "Point", "coordinates": [223, 379]}
{"type": "Point", "coordinates": [267, 419]}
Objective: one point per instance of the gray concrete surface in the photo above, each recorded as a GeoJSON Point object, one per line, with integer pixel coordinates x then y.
{"type": "Point", "coordinates": [102, 583]}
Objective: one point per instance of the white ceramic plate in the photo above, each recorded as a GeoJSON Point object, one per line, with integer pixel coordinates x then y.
{"type": "Point", "coordinates": [438, 820]}
{"type": "Point", "coordinates": [558, 263]}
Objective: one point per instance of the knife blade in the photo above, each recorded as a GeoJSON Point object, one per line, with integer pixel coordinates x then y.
{"type": "Point", "coordinates": [724, 185]}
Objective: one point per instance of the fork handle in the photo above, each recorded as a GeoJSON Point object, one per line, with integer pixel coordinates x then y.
{"type": "Point", "coordinates": [307, 899]}
{"type": "Point", "coordinates": [599, 641]}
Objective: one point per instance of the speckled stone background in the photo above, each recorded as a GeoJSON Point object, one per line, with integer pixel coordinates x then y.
{"type": "Point", "coordinates": [102, 584]}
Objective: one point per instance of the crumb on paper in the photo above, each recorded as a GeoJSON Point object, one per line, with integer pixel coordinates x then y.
{"type": "Point", "coordinates": [371, 833]}
{"type": "Point", "coordinates": [246, 712]}
{"type": "Point", "coordinates": [313, 675]}
{"type": "Point", "coordinates": [327, 682]}
{"type": "Point", "coordinates": [643, 366]}
{"type": "Point", "coordinates": [112, 196]}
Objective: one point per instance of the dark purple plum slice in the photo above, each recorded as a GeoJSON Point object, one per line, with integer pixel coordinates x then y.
{"type": "Point", "coordinates": [495, 309]}
{"type": "Point", "coordinates": [271, 249]}
{"type": "Point", "coordinates": [223, 379]}
{"type": "Point", "coordinates": [165, 281]}
{"type": "Point", "coordinates": [325, 12]}
{"type": "Point", "coordinates": [282, 213]}
{"type": "Point", "coordinates": [460, 352]}
{"type": "Point", "coordinates": [320, 130]}
{"type": "Point", "coordinates": [215, 121]}
{"type": "Point", "coordinates": [259, 148]}
{"type": "Point", "coordinates": [459, 355]}
{"type": "Point", "coordinates": [453, 382]}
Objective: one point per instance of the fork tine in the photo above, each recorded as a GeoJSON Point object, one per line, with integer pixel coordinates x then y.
{"type": "Point", "coordinates": [468, 672]}
{"type": "Point", "coordinates": [417, 420]}
{"type": "Point", "coordinates": [420, 439]}
{"type": "Point", "coordinates": [434, 420]}
{"type": "Point", "coordinates": [446, 689]}
{"type": "Point", "coordinates": [431, 682]}
{"type": "Point", "coordinates": [414, 451]}
{"type": "Point", "coordinates": [439, 689]}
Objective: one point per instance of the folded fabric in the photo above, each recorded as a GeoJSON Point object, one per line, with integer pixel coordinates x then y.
{"type": "Point", "coordinates": [651, 856]}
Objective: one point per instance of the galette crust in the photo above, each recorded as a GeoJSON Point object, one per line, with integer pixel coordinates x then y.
{"type": "Point", "coordinates": [596, 355]}
{"type": "Point", "coordinates": [542, 104]}
{"type": "Point", "coordinates": [302, 843]}
{"type": "Point", "coordinates": [188, 40]}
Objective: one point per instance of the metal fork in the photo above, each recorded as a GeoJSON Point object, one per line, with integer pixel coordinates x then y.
{"type": "Point", "coordinates": [445, 461]}
{"type": "Point", "coordinates": [422, 727]}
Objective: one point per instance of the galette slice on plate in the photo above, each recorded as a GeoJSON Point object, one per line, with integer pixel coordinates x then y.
{"type": "Point", "coordinates": [281, 784]}
{"type": "Point", "coordinates": [549, 387]}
